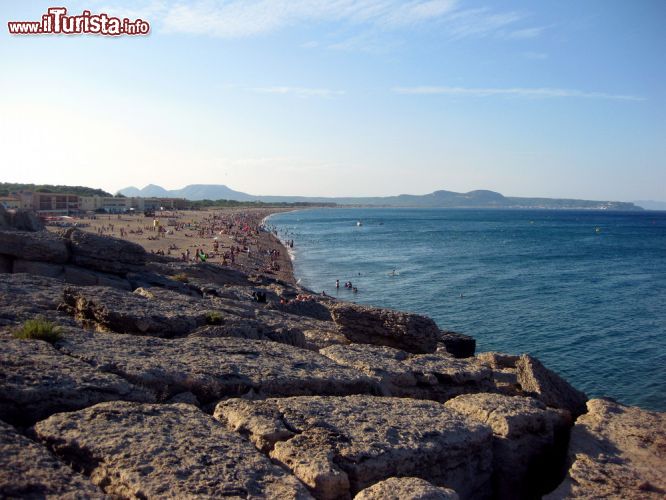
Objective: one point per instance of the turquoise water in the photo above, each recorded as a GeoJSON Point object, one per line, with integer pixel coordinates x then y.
{"type": "Point", "coordinates": [585, 292]}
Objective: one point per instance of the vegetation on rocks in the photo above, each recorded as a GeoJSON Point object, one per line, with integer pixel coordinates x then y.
{"type": "Point", "coordinates": [39, 328]}
{"type": "Point", "coordinates": [182, 277]}
{"type": "Point", "coordinates": [213, 318]}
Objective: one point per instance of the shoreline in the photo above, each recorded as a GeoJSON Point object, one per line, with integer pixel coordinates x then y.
{"type": "Point", "coordinates": [629, 391]}
{"type": "Point", "coordinates": [150, 363]}
{"type": "Point", "coordinates": [233, 237]}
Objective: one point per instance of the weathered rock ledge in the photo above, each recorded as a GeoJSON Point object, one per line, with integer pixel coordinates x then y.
{"type": "Point", "coordinates": [160, 388]}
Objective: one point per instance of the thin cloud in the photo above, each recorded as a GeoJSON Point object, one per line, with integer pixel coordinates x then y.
{"type": "Point", "coordinates": [242, 18]}
{"type": "Point", "coordinates": [247, 18]}
{"type": "Point", "coordinates": [525, 33]}
{"type": "Point", "coordinates": [481, 22]}
{"type": "Point", "coordinates": [538, 93]}
{"type": "Point", "coordinates": [300, 91]}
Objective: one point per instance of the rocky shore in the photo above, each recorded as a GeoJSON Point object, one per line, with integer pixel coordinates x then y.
{"type": "Point", "coordinates": [172, 379]}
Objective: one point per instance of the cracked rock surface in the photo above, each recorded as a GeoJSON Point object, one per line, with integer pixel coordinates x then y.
{"type": "Point", "coordinates": [528, 441]}
{"type": "Point", "coordinates": [437, 376]}
{"type": "Point", "coordinates": [214, 368]}
{"type": "Point", "coordinates": [340, 445]}
{"type": "Point", "coordinates": [36, 381]}
{"type": "Point", "coordinates": [136, 450]}
{"type": "Point", "coordinates": [406, 488]}
{"type": "Point", "coordinates": [29, 470]}
{"type": "Point", "coordinates": [616, 451]}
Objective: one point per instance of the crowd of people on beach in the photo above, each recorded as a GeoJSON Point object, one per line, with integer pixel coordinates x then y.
{"type": "Point", "coordinates": [227, 237]}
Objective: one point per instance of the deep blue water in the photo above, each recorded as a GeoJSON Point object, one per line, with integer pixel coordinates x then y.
{"type": "Point", "coordinates": [583, 291]}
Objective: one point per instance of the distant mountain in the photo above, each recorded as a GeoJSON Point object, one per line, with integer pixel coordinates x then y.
{"type": "Point", "coordinates": [130, 192]}
{"type": "Point", "coordinates": [437, 199]}
{"type": "Point", "coordinates": [651, 204]}
{"type": "Point", "coordinates": [211, 192]}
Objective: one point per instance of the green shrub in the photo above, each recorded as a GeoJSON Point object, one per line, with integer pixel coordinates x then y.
{"type": "Point", "coordinates": [182, 277]}
{"type": "Point", "coordinates": [38, 329]}
{"type": "Point", "coordinates": [213, 318]}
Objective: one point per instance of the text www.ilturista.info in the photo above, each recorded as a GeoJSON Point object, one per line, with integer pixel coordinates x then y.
{"type": "Point", "coordinates": [57, 22]}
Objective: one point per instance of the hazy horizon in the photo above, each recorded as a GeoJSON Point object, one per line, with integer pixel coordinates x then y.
{"type": "Point", "coordinates": [352, 98]}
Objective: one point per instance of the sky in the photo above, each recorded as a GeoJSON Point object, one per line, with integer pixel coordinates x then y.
{"type": "Point", "coordinates": [344, 98]}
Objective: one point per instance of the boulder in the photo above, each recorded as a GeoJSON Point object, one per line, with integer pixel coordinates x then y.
{"type": "Point", "coordinates": [104, 253]}
{"type": "Point", "coordinates": [340, 445]}
{"type": "Point", "coordinates": [215, 368]}
{"type": "Point", "coordinates": [616, 451]}
{"type": "Point", "coordinates": [435, 376]}
{"type": "Point", "coordinates": [371, 325]}
{"type": "Point", "coordinates": [538, 381]}
{"type": "Point", "coordinates": [164, 451]}
{"type": "Point", "coordinates": [29, 470]}
{"type": "Point", "coordinates": [457, 344]}
{"type": "Point", "coordinates": [38, 268]}
{"type": "Point", "coordinates": [38, 381]}
{"type": "Point", "coordinates": [41, 246]}
{"type": "Point", "coordinates": [529, 441]}
{"type": "Point", "coordinates": [25, 220]}
{"type": "Point", "coordinates": [406, 488]}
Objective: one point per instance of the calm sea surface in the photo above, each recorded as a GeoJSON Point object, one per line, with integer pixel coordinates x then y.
{"type": "Point", "coordinates": [585, 292]}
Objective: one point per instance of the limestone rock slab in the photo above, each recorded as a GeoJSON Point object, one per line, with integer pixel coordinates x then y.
{"type": "Point", "coordinates": [214, 368]}
{"type": "Point", "coordinates": [108, 309]}
{"type": "Point", "coordinates": [341, 445]}
{"type": "Point", "coordinates": [36, 381]}
{"type": "Point", "coordinates": [164, 451]}
{"type": "Point", "coordinates": [616, 451]}
{"type": "Point", "coordinates": [29, 470]}
{"type": "Point", "coordinates": [372, 325]}
{"type": "Point", "coordinates": [406, 488]}
{"type": "Point", "coordinates": [436, 376]}
{"type": "Point", "coordinates": [537, 380]}
{"type": "Point", "coordinates": [41, 246]}
{"type": "Point", "coordinates": [24, 296]}
{"type": "Point", "coordinates": [251, 329]}
{"type": "Point", "coordinates": [528, 441]}
{"type": "Point", "coordinates": [105, 253]}
{"type": "Point", "coordinates": [39, 268]}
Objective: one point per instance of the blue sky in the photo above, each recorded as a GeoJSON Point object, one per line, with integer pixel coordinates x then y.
{"type": "Point", "coordinates": [340, 97]}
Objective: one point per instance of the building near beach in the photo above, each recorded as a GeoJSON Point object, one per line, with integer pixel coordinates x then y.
{"type": "Point", "coordinates": [10, 201]}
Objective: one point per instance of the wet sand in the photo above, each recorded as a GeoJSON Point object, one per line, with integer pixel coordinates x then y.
{"type": "Point", "coordinates": [176, 232]}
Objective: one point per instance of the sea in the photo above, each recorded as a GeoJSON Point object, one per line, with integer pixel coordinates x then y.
{"type": "Point", "coordinates": [583, 291]}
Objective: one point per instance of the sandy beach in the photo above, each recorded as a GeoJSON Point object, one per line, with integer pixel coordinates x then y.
{"type": "Point", "coordinates": [229, 236]}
